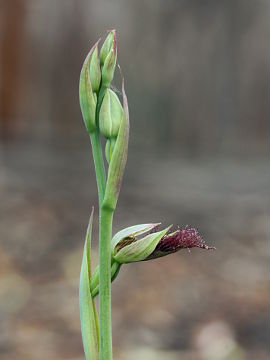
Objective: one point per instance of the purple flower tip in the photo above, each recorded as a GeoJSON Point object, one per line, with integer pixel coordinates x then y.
{"type": "Point", "coordinates": [182, 238]}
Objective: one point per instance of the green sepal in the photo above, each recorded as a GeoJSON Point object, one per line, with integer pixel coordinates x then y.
{"type": "Point", "coordinates": [88, 313]}
{"type": "Point", "coordinates": [139, 250]}
{"type": "Point", "coordinates": [86, 94]}
{"type": "Point", "coordinates": [118, 159]}
{"type": "Point", "coordinates": [130, 233]}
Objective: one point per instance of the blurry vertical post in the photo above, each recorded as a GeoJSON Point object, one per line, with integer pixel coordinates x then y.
{"type": "Point", "coordinates": [12, 19]}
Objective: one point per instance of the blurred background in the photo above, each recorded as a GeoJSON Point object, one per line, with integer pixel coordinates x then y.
{"type": "Point", "coordinates": [198, 82]}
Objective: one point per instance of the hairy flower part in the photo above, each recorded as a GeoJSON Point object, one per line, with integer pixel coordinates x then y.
{"type": "Point", "coordinates": [182, 238]}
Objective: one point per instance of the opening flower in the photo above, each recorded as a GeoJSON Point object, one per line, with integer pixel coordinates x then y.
{"type": "Point", "coordinates": [130, 246]}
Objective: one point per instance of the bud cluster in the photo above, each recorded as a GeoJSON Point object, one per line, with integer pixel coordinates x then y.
{"type": "Point", "coordinates": [100, 105]}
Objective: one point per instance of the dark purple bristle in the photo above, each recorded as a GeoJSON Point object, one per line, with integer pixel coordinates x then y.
{"type": "Point", "coordinates": [183, 238]}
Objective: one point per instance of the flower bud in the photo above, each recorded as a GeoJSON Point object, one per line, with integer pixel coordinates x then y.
{"type": "Point", "coordinates": [94, 71]}
{"type": "Point", "coordinates": [89, 79]}
{"type": "Point", "coordinates": [108, 56]}
{"type": "Point", "coordinates": [108, 69]}
{"type": "Point", "coordinates": [108, 44]}
{"type": "Point", "coordinates": [118, 159]}
{"type": "Point", "coordinates": [110, 115]}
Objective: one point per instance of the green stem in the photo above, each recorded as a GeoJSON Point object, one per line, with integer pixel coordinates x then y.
{"type": "Point", "coordinates": [106, 218]}
{"type": "Point", "coordinates": [105, 235]}
{"type": "Point", "coordinates": [94, 284]}
{"type": "Point", "coordinates": [99, 165]}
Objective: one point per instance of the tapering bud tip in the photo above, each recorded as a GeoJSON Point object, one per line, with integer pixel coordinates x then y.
{"type": "Point", "coordinates": [109, 44]}
{"type": "Point", "coordinates": [108, 56]}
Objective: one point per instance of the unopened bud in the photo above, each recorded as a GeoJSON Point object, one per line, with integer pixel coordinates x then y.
{"type": "Point", "coordinates": [110, 115]}
{"type": "Point", "coordinates": [94, 71]}
{"type": "Point", "coordinates": [118, 159]}
{"type": "Point", "coordinates": [88, 99]}
{"type": "Point", "coordinates": [108, 44]}
{"type": "Point", "coordinates": [108, 56]}
{"type": "Point", "coordinates": [108, 69]}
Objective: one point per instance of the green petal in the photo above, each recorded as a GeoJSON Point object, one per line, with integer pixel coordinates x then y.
{"type": "Point", "coordinates": [88, 314]}
{"type": "Point", "coordinates": [139, 250]}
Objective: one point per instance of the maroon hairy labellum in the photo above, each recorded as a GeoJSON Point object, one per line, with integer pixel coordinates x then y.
{"type": "Point", "coordinates": [182, 238]}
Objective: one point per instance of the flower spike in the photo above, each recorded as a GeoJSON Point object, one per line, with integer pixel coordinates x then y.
{"type": "Point", "coordinates": [105, 117]}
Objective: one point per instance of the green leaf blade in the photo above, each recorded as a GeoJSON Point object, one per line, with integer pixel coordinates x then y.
{"type": "Point", "coordinates": [88, 314]}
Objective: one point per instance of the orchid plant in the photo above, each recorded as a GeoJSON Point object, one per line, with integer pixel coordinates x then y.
{"type": "Point", "coordinates": [104, 115]}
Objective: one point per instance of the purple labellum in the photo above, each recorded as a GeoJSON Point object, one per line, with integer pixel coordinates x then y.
{"type": "Point", "coordinates": [183, 238]}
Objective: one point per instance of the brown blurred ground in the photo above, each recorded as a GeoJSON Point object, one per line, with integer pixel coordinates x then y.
{"type": "Point", "coordinates": [197, 76]}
